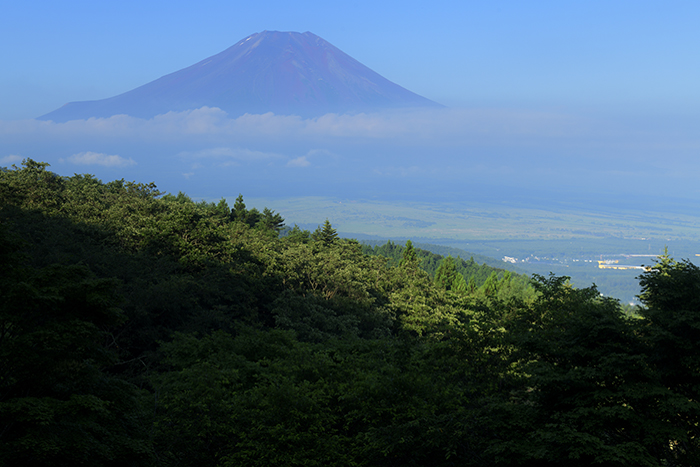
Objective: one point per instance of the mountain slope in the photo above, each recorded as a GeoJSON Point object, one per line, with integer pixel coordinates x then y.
{"type": "Point", "coordinates": [282, 72]}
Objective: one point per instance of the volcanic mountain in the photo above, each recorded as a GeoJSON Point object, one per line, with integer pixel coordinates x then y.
{"type": "Point", "coordinates": [287, 73]}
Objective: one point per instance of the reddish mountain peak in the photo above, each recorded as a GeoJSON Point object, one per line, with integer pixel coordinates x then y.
{"type": "Point", "coordinates": [271, 71]}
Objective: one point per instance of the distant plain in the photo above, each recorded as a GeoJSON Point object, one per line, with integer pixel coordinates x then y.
{"type": "Point", "coordinates": [563, 240]}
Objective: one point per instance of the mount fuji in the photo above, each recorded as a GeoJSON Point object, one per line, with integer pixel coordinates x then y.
{"type": "Point", "coordinates": [286, 73]}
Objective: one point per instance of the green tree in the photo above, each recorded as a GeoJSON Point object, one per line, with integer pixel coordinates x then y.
{"type": "Point", "coordinates": [491, 285]}
{"type": "Point", "coordinates": [222, 208]}
{"type": "Point", "coordinates": [326, 235]}
{"type": "Point", "coordinates": [670, 292]}
{"type": "Point", "coordinates": [587, 394]}
{"type": "Point", "coordinates": [58, 404]}
{"type": "Point", "coordinates": [32, 186]}
{"type": "Point", "coordinates": [447, 277]}
{"type": "Point", "coordinates": [296, 235]}
{"type": "Point", "coordinates": [272, 220]}
{"type": "Point", "coordinates": [239, 211]}
{"type": "Point", "coordinates": [409, 258]}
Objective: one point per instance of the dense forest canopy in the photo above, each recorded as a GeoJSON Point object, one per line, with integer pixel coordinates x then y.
{"type": "Point", "coordinates": [141, 328]}
{"type": "Point", "coordinates": [457, 274]}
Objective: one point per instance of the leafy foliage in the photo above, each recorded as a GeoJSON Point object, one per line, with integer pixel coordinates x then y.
{"type": "Point", "coordinates": [458, 275]}
{"type": "Point", "coordinates": [138, 328]}
{"type": "Point", "coordinates": [58, 404]}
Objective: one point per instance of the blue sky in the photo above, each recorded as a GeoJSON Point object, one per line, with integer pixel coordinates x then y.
{"type": "Point", "coordinates": [614, 56]}
{"type": "Point", "coordinates": [591, 97]}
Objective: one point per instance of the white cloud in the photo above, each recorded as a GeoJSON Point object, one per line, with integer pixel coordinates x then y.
{"type": "Point", "coordinates": [96, 158]}
{"type": "Point", "coordinates": [410, 126]}
{"type": "Point", "coordinates": [299, 162]}
{"type": "Point", "coordinates": [11, 159]}
{"type": "Point", "coordinates": [210, 136]}
{"type": "Point", "coordinates": [202, 121]}
{"type": "Point", "coordinates": [304, 161]}
{"type": "Point", "coordinates": [523, 147]}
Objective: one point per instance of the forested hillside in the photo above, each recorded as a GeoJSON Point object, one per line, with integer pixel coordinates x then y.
{"type": "Point", "coordinates": [457, 274]}
{"type": "Point", "coordinates": [138, 328]}
{"type": "Point", "coordinates": [442, 250]}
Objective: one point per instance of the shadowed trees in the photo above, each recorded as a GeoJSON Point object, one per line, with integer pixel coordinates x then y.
{"type": "Point", "coordinates": [145, 329]}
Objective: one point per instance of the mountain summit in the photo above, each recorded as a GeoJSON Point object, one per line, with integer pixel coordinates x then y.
{"type": "Point", "coordinates": [287, 73]}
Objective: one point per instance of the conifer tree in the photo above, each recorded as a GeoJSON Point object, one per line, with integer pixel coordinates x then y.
{"type": "Point", "coordinates": [272, 220]}
{"type": "Point", "coordinates": [326, 235]}
{"type": "Point", "coordinates": [459, 284]}
{"type": "Point", "coordinates": [239, 210]}
{"type": "Point", "coordinates": [490, 287]}
{"type": "Point", "coordinates": [447, 276]}
{"type": "Point", "coordinates": [409, 259]}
